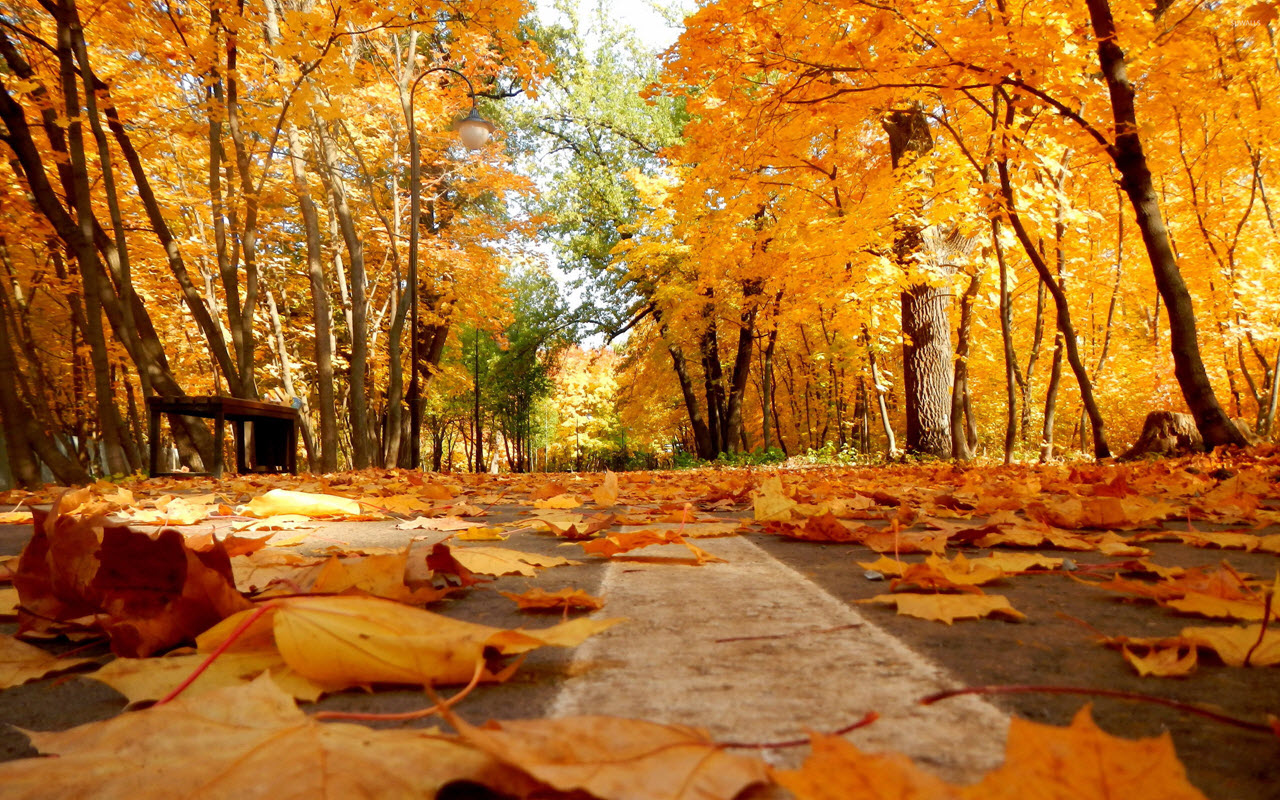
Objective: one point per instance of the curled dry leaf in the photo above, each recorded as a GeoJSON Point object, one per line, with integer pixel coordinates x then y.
{"type": "Point", "coordinates": [357, 641]}
{"type": "Point", "coordinates": [618, 759]}
{"type": "Point", "coordinates": [606, 494]}
{"type": "Point", "coordinates": [246, 741]}
{"type": "Point", "coordinates": [147, 592]}
{"type": "Point", "coordinates": [771, 501]}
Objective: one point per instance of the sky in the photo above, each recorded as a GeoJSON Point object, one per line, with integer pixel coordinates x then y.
{"type": "Point", "coordinates": [640, 15]}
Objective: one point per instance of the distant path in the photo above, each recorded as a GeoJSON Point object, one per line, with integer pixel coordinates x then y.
{"type": "Point", "coordinates": [754, 651]}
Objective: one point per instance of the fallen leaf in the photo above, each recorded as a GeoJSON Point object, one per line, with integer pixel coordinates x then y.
{"type": "Point", "coordinates": [501, 561]}
{"type": "Point", "coordinates": [1219, 608]}
{"type": "Point", "coordinates": [771, 501]}
{"type": "Point", "coordinates": [438, 524]}
{"type": "Point", "coordinates": [280, 522]}
{"type": "Point", "coordinates": [284, 501]}
{"type": "Point", "coordinates": [1233, 644]}
{"type": "Point", "coordinates": [549, 489]}
{"type": "Point", "coordinates": [560, 501]}
{"type": "Point", "coordinates": [1163, 662]}
{"type": "Point", "coordinates": [837, 770]}
{"type": "Point", "coordinates": [606, 494]}
{"type": "Point", "coordinates": [950, 607]}
{"type": "Point", "coordinates": [147, 592]}
{"type": "Point", "coordinates": [357, 641]}
{"type": "Point", "coordinates": [245, 741]}
{"type": "Point", "coordinates": [824, 528]}
{"type": "Point", "coordinates": [618, 759]}
{"type": "Point", "coordinates": [538, 599]}
{"type": "Point", "coordinates": [610, 546]}
{"type": "Point", "coordinates": [15, 517]}
{"type": "Point", "coordinates": [1083, 762]}
{"type": "Point", "coordinates": [9, 601]}
{"type": "Point", "coordinates": [142, 679]}
{"type": "Point", "coordinates": [21, 662]}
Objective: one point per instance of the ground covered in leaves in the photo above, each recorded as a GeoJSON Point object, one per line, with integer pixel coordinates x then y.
{"type": "Point", "coordinates": [1150, 586]}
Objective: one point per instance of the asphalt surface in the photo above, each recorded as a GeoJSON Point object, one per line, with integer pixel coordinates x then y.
{"type": "Point", "coordinates": [771, 644]}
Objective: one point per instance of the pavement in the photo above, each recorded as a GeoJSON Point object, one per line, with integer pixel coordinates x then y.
{"type": "Point", "coordinates": [769, 643]}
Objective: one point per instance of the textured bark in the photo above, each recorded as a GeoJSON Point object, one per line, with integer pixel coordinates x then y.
{"type": "Point", "coordinates": [1010, 357]}
{"type": "Point", "coordinates": [1188, 366]}
{"type": "Point", "coordinates": [926, 329]}
{"type": "Point", "coordinates": [1051, 402]}
{"type": "Point", "coordinates": [926, 370]}
{"type": "Point", "coordinates": [22, 461]}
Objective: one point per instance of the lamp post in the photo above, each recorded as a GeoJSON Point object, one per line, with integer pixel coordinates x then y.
{"type": "Point", "coordinates": [474, 131]}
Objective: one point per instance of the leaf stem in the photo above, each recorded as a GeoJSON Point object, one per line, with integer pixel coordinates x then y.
{"type": "Point", "coordinates": [1262, 632]}
{"type": "Point", "coordinates": [219, 650]}
{"type": "Point", "coordinates": [1115, 694]}
{"type": "Point", "coordinates": [436, 708]}
{"type": "Point", "coordinates": [870, 717]}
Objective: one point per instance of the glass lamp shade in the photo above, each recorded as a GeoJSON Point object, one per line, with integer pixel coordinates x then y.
{"type": "Point", "coordinates": [474, 130]}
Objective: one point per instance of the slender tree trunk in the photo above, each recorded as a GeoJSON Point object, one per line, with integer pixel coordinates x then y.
{"type": "Point", "coordinates": [766, 385]}
{"type": "Point", "coordinates": [22, 459]}
{"type": "Point", "coordinates": [359, 303]}
{"type": "Point", "coordinates": [961, 446]}
{"type": "Point", "coordinates": [891, 446]}
{"type": "Point", "coordinates": [1010, 357]}
{"type": "Point", "coordinates": [1131, 161]}
{"type": "Point", "coordinates": [1051, 402]}
{"type": "Point", "coordinates": [1065, 326]}
{"type": "Point", "coordinates": [701, 433]}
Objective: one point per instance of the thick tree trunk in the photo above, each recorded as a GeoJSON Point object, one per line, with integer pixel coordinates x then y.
{"type": "Point", "coordinates": [738, 382]}
{"type": "Point", "coordinates": [22, 460]}
{"type": "Point", "coordinates": [926, 328]}
{"type": "Point", "coordinates": [1188, 366]}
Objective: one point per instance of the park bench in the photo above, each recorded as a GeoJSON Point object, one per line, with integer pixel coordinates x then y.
{"type": "Point", "coordinates": [275, 431]}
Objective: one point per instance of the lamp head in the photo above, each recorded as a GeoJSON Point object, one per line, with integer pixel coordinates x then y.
{"type": "Point", "coordinates": [474, 130]}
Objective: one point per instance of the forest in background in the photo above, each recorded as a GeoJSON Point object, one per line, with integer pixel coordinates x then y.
{"type": "Point", "coordinates": [852, 229]}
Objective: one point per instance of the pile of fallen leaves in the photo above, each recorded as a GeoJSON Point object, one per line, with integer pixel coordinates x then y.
{"type": "Point", "coordinates": [247, 615]}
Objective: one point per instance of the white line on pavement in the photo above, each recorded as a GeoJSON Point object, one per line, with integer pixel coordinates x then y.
{"type": "Point", "coordinates": [687, 656]}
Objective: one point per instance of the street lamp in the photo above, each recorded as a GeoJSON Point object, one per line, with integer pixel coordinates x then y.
{"type": "Point", "coordinates": [474, 132]}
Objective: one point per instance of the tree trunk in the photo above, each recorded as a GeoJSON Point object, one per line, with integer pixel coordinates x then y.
{"type": "Point", "coordinates": [1188, 366]}
{"type": "Point", "coordinates": [961, 446]}
{"type": "Point", "coordinates": [926, 329]}
{"type": "Point", "coordinates": [1051, 402]}
{"type": "Point", "coordinates": [1100, 449]}
{"type": "Point", "coordinates": [701, 433]}
{"type": "Point", "coordinates": [1010, 357]}
{"type": "Point", "coordinates": [766, 385]}
{"type": "Point", "coordinates": [22, 460]}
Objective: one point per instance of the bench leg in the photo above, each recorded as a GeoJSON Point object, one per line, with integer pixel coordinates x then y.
{"type": "Point", "coordinates": [154, 428]}
{"type": "Point", "coordinates": [219, 429]}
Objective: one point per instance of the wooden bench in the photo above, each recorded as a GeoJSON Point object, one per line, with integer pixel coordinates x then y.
{"type": "Point", "coordinates": [275, 431]}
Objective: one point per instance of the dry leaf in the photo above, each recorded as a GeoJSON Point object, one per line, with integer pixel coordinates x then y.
{"type": "Point", "coordinates": [618, 759]}
{"type": "Point", "coordinates": [141, 679]}
{"type": "Point", "coordinates": [1083, 762]}
{"type": "Point", "coordinates": [21, 662]}
{"type": "Point", "coordinates": [606, 494]}
{"type": "Point", "coordinates": [950, 607]}
{"type": "Point", "coordinates": [280, 522]}
{"type": "Point", "coordinates": [283, 501]}
{"type": "Point", "coordinates": [538, 599]}
{"type": "Point", "coordinates": [502, 561]}
{"type": "Point", "coordinates": [560, 501]}
{"type": "Point", "coordinates": [1163, 662]}
{"type": "Point", "coordinates": [837, 770]}
{"type": "Point", "coordinates": [247, 741]}
{"type": "Point", "coordinates": [1233, 644]}
{"type": "Point", "coordinates": [609, 546]}
{"type": "Point", "coordinates": [356, 641]}
{"type": "Point", "coordinates": [771, 501]}
{"type": "Point", "coordinates": [15, 517]}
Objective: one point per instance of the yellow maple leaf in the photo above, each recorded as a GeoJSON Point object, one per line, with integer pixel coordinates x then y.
{"type": "Point", "coordinates": [771, 501]}
{"type": "Point", "coordinates": [284, 501]}
{"type": "Point", "coordinates": [140, 679]}
{"type": "Point", "coordinates": [837, 770]}
{"type": "Point", "coordinates": [559, 501]}
{"type": "Point", "coordinates": [950, 607]}
{"type": "Point", "coordinates": [1083, 762]}
{"type": "Point", "coordinates": [502, 561]}
{"type": "Point", "coordinates": [538, 599]}
{"type": "Point", "coordinates": [1163, 662]}
{"type": "Point", "coordinates": [1233, 645]}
